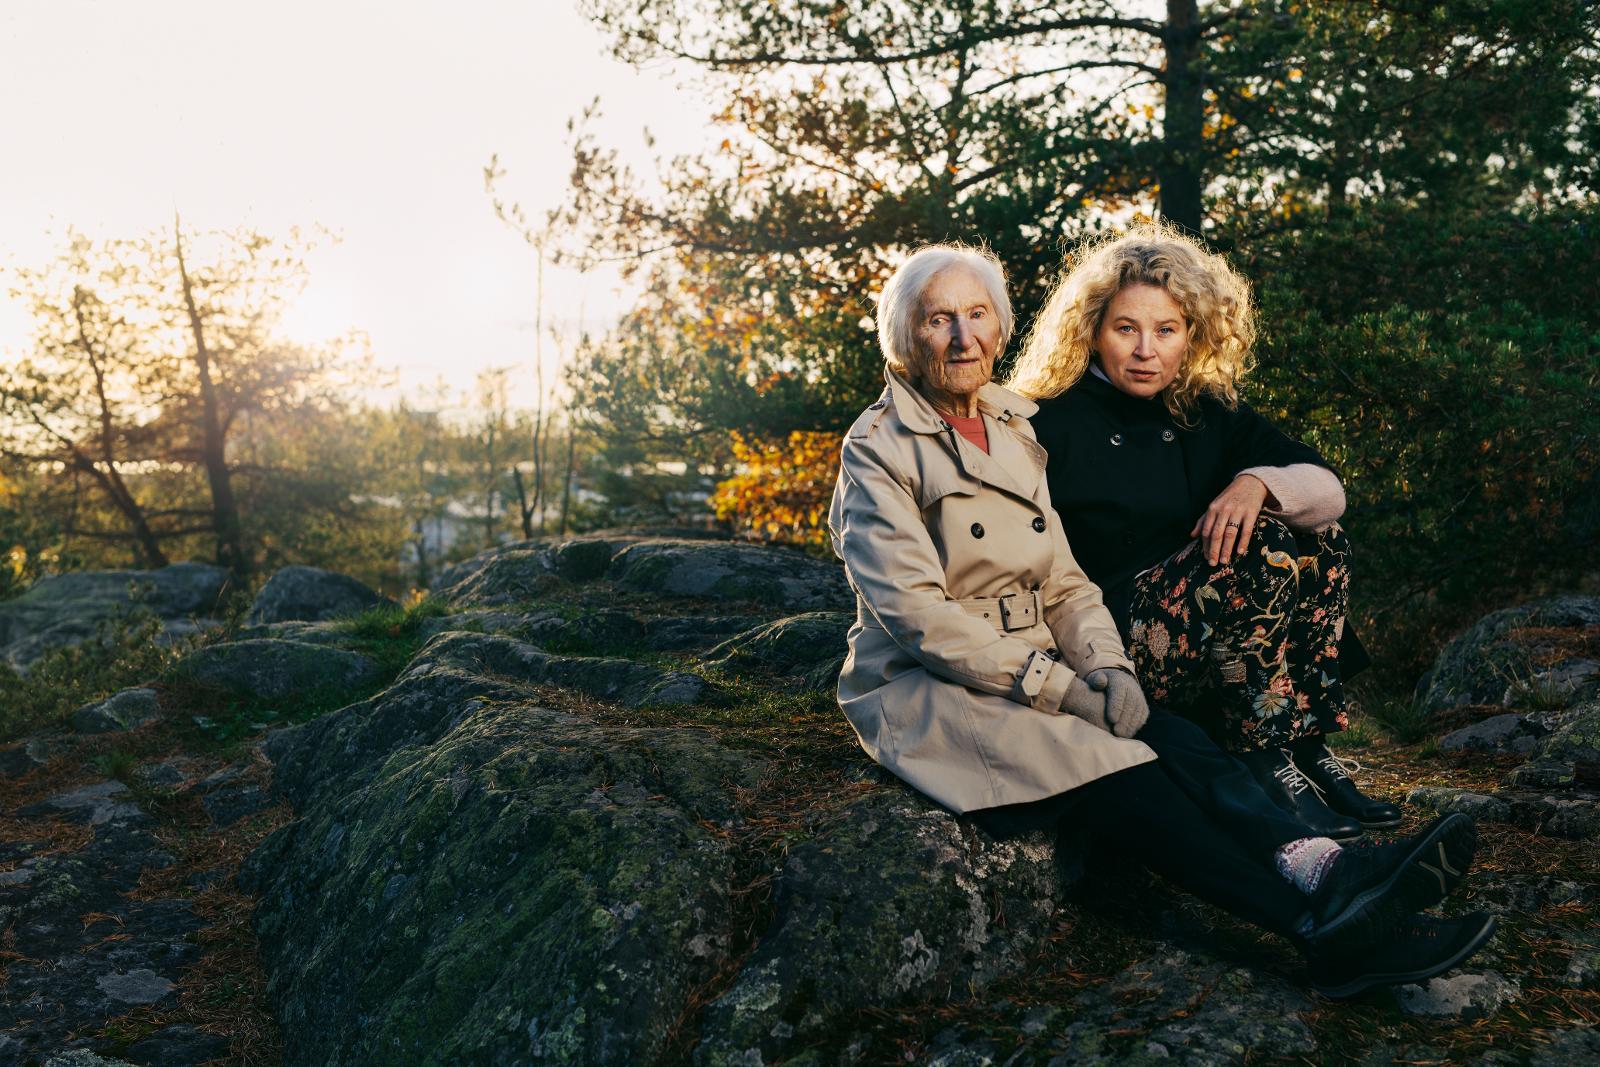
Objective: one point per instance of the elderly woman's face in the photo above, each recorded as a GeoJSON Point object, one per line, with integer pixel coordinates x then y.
{"type": "Point", "coordinates": [1142, 340]}
{"type": "Point", "coordinates": [958, 334]}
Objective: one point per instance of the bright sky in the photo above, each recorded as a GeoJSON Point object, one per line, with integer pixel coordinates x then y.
{"type": "Point", "coordinates": [374, 119]}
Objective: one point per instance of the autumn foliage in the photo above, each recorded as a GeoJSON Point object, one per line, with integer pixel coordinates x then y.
{"type": "Point", "coordinates": [782, 489]}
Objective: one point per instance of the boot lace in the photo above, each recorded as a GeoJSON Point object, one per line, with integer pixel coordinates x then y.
{"type": "Point", "coordinates": [1338, 768]}
{"type": "Point", "coordinates": [1290, 776]}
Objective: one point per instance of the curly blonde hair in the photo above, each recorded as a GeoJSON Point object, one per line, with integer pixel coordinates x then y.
{"type": "Point", "coordinates": [1215, 301]}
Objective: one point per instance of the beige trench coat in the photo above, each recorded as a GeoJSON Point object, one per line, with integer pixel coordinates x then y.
{"type": "Point", "coordinates": [972, 615]}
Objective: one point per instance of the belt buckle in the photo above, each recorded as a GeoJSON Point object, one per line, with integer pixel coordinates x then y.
{"type": "Point", "coordinates": [1007, 612]}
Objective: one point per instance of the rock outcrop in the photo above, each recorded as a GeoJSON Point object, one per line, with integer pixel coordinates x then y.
{"type": "Point", "coordinates": [70, 608]}
{"type": "Point", "coordinates": [265, 669]}
{"type": "Point", "coordinates": [1504, 654]}
{"type": "Point", "coordinates": [516, 883]}
{"type": "Point", "coordinates": [1553, 721]}
{"type": "Point", "coordinates": [311, 594]}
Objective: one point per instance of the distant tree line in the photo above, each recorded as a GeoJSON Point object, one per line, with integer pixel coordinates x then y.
{"type": "Point", "coordinates": [161, 415]}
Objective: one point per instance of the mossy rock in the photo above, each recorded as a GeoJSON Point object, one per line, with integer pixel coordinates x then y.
{"type": "Point", "coordinates": [894, 901]}
{"type": "Point", "coordinates": [783, 579]}
{"type": "Point", "coordinates": [1578, 741]}
{"type": "Point", "coordinates": [68, 608]}
{"type": "Point", "coordinates": [311, 594]}
{"type": "Point", "coordinates": [450, 671]}
{"type": "Point", "coordinates": [1480, 664]}
{"type": "Point", "coordinates": [267, 669]}
{"type": "Point", "coordinates": [126, 709]}
{"type": "Point", "coordinates": [788, 646]}
{"type": "Point", "coordinates": [515, 886]}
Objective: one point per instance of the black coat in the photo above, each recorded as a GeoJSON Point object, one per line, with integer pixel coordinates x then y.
{"type": "Point", "coordinates": [1129, 480]}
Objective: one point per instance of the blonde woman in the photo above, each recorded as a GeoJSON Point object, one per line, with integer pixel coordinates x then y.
{"type": "Point", "coordinates": [1213, 535]}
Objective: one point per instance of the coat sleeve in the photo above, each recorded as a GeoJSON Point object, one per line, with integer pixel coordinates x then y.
{"type": "Point", "coordinates": [1249, 440]}
{"type": "Point", "coordinates": [877, 529]}
{"type": "Point", "coordinates": [1073, 609]}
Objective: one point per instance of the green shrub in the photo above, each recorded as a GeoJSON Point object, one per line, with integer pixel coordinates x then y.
{"type": "Point", "coordinates": [124, 651]}
{"type": "Point", "coordinates": [1448, 368]}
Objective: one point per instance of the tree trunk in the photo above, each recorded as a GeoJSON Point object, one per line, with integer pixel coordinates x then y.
{"type": "Point", "coordinates": [224, 508]}
{"type": "Point", "coordinates": [566, 483]}
{"type": "Point", "coordinates": [522, 503]}
{"type": "Point", "coordinates": [1183, 123]}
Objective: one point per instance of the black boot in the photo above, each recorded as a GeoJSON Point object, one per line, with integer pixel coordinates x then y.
{"type": "Point", "coordinates": [1332, 779]}
{"type": "Point", "coordinates": [1294, 793]}
{"type": "Point", "coordinates": [1412, 950]}
{"type": "Point", "coordinates": [1370, 888]}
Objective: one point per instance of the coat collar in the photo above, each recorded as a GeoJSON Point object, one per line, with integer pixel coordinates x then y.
{"type": "Point", "coordinates": [1014, 462]}
{"type": "Point", "coordinates": [919, 416]}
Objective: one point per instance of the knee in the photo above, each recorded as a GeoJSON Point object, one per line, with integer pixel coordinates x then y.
{"type": "Point", "coordinates": [1272, 557]}
{"type": "Point", "coordinates": [1165, 730]}
{"type": "Point", "coordinates": [1334, 541]}
{"type": "Point", "coordinates": [1272, 535]}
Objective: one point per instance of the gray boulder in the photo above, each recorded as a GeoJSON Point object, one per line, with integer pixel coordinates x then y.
{"type": "Point", "coordinates": [310, 594]}
{"type": "Point", "coordinates": [1497, 734]}
{"type": "Point", "coordinates": [798, 645]}
{"type": "Point", "coordinates": [123, 710]}
{"type": "Point", "coordinates": [525, 570]}
{"type": "Point", "coordinates": [690, 633]}
{"type": "Point", "coordinates": [1578, 741]}
{"type": "Point", "coordinates": [493, 882]}
{"type": "Point", "coordinates": [265, 669]}
{"type": "Point", "coordinates": [781, 579]}
{"type": "Point", "coordinates": [894, 900]}
{"type": "Point", "coordinates": [69, 608]}
{"type": "Point", "coordinates": [1576, 816]}
{"type": "Point", "coordinates": [1479, 664]}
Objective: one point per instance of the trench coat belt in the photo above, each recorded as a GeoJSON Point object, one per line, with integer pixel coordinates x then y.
{"type": "Point", "coordinates": [1014, 611]}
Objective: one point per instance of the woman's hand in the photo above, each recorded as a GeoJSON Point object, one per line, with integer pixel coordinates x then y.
{"type": "Point", "coordinates": [1225, 527]}
{"type": "Point", "coordinates": [1107, 699]}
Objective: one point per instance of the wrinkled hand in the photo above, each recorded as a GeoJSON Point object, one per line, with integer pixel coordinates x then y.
{"type": "Point", "coordinates": [1125, 707]}
{"type": "Point", "coordinates": [1225, 527]}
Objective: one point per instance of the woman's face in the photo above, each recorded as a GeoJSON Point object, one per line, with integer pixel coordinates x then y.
{"type": "Point", "coordinates": [1142, 340]}
{"type": "Point", "coordinates": [958, 333]}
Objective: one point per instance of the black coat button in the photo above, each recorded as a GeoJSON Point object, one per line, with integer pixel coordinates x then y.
{"type": "Point", "coordinates": [1168, 436]}
{"type": "Point", "coordinates": [1116, 438]}
{"type": "Point", "coordinates": [1039, 523]}
{"type": "Point", "coordinates": [1053, 653]}
{"type": "Point", "coordinates": [977, 529]}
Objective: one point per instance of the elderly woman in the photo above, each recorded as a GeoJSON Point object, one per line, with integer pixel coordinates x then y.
{"type": "Point", "coordinates": [1213, 535]}
{"type": "Point", "coordinates": [985, 671]}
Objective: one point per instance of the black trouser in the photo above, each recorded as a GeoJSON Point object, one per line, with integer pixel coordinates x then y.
{"type": "Point", "coordinates": [1195, 816]}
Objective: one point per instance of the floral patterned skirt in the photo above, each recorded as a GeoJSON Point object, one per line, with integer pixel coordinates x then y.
{"type": "Point", "coordinates": [1249, 648]}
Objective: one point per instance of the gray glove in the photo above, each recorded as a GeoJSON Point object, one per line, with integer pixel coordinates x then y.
{"type": "Point", "coordinates": [1125, 707]}
{"type": "Point", "coordinates": [1086, 703]}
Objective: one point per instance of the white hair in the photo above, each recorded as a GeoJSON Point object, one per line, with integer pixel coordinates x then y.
{"type": "Point", "coordinates": [900, 303]}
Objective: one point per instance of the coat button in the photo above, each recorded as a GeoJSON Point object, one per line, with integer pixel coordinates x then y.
{"type": "Point", "coordinates": [1039, 523]}
{"type": "Point", "coordinates": [1116, 438]}
{"type": "Point", "coordinates": [1168, 436]}
{"type": "Point", "coordinates": [977, 529]}
{"type": "Point", "coordinates": [1053, 653]}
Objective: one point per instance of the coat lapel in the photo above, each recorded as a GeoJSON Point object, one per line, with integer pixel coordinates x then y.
{"type": "Point", "coordinates": [1014, 462]}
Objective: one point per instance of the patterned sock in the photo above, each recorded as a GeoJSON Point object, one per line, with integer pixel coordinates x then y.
{"type": "Point", "coordinates": [1305, 861]}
